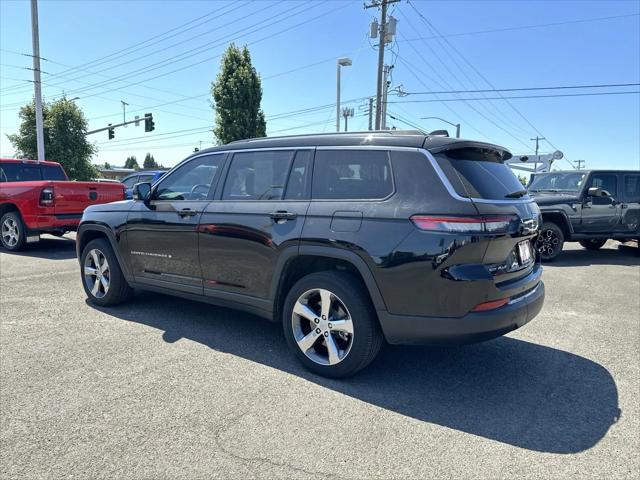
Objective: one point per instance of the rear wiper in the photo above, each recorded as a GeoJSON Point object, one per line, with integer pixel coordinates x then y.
{"type": "Point", "coordinates": [516, 194]}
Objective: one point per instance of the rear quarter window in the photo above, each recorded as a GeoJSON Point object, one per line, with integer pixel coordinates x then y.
{"type": "Point", "coordinates": [631, 188]}
{"type": "Point", "coordinates": [476, 173]}
{"type": "Point", "coordinates": [53, 172]}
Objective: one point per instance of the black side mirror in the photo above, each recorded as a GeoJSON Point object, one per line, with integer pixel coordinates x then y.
{"type": "Point", "coordinates": [598, 192]}
{"type": "Point", "coordinates": [142, 191]}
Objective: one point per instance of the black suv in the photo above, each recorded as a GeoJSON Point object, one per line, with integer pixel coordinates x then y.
{"type": "Point", "coordinates": [589, 207]}
{"type": "Point", "coordinates": [347, 239]}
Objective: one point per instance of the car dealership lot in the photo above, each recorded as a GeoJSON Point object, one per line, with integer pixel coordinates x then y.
{"type": "Point", "coordinates": [167, 388]}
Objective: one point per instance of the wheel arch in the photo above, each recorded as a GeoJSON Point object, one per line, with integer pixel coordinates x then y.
{"type": "Point", "coordinates": [296, 263]}
{"type": "Point", "coordinates": [91, 231]}
{"type": "Point", "coordinates": [559, 218]}
{"type": "Point", "coordinates": [9, 207]}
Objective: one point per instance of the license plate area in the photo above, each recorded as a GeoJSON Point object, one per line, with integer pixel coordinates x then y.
{"type": "Point", "coordinates": [525, 254]}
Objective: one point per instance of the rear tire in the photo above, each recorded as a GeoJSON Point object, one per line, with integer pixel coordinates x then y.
{"type": "Point", "coordinates": [343, 341]}
{"type": "Point", "coordinates": [593, 244]}
{"type": "Point", "coordinates": [12, 231]}
{"type": "Point", "coordinates": [101, 275]}
{"type": "Point", "coordinates": [550, 241]}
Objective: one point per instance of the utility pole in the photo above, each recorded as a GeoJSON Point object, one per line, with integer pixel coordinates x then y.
{"type": "Point", "coordinates": [35, 38]}
{"type": "Point", "coordinates": [386, 70]}
{"type": "Point", "coordinates": [346, 113]}
{"type": "Point", "coordinates": [382, 35]}
{"type": "Point", "coordinates": [537, 139]}
{"type": "Point", "coordinates": [342, 62]}
{"type": "Point", "coordinates": [580, 163]}
{"type": "Point", "coordinates": [124, 111]}
{"type": "Point", "coordinates": [370, 113]}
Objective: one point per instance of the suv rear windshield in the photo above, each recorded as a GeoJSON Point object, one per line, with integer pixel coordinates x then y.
{"type": "Point", "coordinates": [479, 173]}
{"type": "Point", "coordinates": [22, 172]}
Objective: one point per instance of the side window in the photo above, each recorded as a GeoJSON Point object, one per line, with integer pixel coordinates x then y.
{"type": "Point", "coordinates": [191, 181]}
{"type": "Point", "coordinates": [259, 175]}
{"type": "Point", "coordinates": [130, 182]}
{"type": "Point", "coordinates": [632, 188]}
{"type": "Point", "coordinates": [299, 176]}
{"type": "Point", "coordinates": [8, 172]}
{"type": "Point", "coordinates": [50, 172]}
{"type": "Point", "coordinates": [145, 179]}
{"type": "Point", "coordinates": [607, 182]}
{"type": "Point", "coordinates": [352, 174]}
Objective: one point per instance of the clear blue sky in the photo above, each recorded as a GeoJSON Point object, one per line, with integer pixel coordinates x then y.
{"type": "Point", "coordinates": [511, 44]}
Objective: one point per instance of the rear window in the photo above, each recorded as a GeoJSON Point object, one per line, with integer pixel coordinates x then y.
{"type": "Point", "coordinates": [51, 172]}
{"type": "Point", "coordinates": [352, 174]}
{"type": "Point", "coordinates": [632, 188]}
{"type": "Point", "coordinates": [21, 172]}
{"type": "Point", "coordinates": [477, 173]}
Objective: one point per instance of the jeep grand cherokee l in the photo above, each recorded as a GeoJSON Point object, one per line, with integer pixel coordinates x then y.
{"type": "Point", "coordinates": [347, 239]}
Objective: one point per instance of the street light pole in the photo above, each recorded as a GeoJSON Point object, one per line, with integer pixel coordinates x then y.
{"type": "Point", "coordinates": [457, 125]}
{"type": "Point", "coordinates": [342, 62]}
{"type": "Point", "coordinates": [35, 38]}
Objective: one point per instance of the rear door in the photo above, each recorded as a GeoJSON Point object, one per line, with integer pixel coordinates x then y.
{"type": "Point", "coordinates": [601, 214]}
{"type": "Point", "coordinates": [161, 233]}
{"type": "Point", "coordinates": [258, 212]}
{"type": "Point", "coordinates": [630, 204]}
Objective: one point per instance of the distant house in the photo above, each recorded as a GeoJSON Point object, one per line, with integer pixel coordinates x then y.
{"type": "Point", "coordinates": [115, 173]}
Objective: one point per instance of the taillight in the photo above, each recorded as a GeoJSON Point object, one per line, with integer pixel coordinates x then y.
{"type": "Point", "coordinates": [46, 197]}
{"type": "Point", "coordinates": [482, 224]}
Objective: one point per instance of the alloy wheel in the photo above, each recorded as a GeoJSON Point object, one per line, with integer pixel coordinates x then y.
{"type": "Point", "coordinates": [322, 326]}
{"type": "Point", "coordinates": [10, 232]}
{"type": "Point", "coordinates": [96, 273]}
{"type": "Point", "coordinates": [547, 243]}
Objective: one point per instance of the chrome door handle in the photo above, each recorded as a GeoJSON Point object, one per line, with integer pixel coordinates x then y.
{"type": "Point", "coordinates": [187, 212]}
{"type": "Point", "coordinates": [283, 215]}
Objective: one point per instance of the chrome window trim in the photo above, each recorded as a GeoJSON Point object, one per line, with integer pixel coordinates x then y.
{"type": "Point", "coordinates": [158, 182]}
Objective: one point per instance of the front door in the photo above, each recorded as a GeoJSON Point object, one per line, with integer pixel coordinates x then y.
{"type": "Point", "coordinates": [161, 233]}
{"type": "Point", "coordinates": [258, 212]}
{"type": "Point", "coordinates": [601, 214]}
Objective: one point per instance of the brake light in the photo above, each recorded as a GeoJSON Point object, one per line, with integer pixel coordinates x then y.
{"type": "Point", "coordinates": [481, 224]}
{"type": "Point", "coordinates": [46, 197]}
{"type": "Point", "coordinates": [492, 305]}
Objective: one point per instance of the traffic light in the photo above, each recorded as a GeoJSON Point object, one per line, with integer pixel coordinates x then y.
{"type": "Point", "coordinates": [111, 133]}
{"type": "Point", "coordinates": [149, 125]}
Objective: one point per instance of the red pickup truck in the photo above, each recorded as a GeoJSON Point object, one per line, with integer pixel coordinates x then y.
{"type": "Point", "coordinates": [37, 197]}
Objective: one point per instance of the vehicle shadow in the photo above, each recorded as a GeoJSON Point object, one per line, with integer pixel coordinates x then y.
{"type": "Point", "coordinates": [49, 247]}
{"type": "Point", "coordinates": [621, 255]}
{"type": "Point", "coordinates": [519, 393]}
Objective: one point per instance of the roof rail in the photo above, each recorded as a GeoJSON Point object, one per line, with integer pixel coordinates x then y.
{"type": "Point", "coordinates": [324, 134]}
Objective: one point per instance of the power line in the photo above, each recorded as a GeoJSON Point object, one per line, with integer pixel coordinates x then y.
{"type": "Point", "coordinates": [483, 77]}
{"type": "Point", "coordinates": [521, 89]}
{"type": "Point", "coordinates": [522, 27]}
{"type": "Point", "coordinates": [519, 97]}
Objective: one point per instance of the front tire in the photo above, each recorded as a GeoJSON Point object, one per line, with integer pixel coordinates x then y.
{"type": "Point", "coordinates": [550, 241]}
{"type": "Point", "coordinates": [12, 231]}
{"type": "Point", "coordinates": [102, 277]}
{"type": "Point", "coordinates": [593, 244]}
{"type": "Point", "coordinates": [331, 325]}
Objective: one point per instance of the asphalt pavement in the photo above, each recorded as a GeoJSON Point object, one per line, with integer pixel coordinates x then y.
{"type": "Point", "coordinates": [167, 388]}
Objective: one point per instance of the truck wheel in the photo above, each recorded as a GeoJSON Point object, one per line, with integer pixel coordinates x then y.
{"type": "Point", "coordinates": [550, 241]}
{"type": "Point", "coordinates": [593, 244]}
{"type": "Point", "coordinates": [330, 324]}
{"type": "Point", "coordinates": [102, 277]}
{"type": "Point", "coordinates": [12, 231]}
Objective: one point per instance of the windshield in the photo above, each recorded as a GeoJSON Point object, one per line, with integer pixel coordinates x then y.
{"type": "Point", "coordinates": [557, 182]}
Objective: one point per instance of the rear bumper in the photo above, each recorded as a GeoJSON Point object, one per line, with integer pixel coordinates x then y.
{"type": "Point", "coordinates": [45, 223]}
{"type": "Point", "coordinates": [471, 328]}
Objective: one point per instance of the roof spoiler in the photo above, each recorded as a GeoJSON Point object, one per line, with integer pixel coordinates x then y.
{"type": "Point", "coordinates": [460, 144]}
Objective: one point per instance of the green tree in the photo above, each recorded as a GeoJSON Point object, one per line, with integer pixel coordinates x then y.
{"type": "Point", "coordinates": [65, 141]}
{"type": "Point", "coordinates": [131, 162]}
{"type": "Point", "coordinates": [523, 180]}
{"type": "Point", "coordinates": [107, 165]}
{"type": "Point", "coordinates": [237, 93]}
{"type": "Point", "coordinates": [149, 162]}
